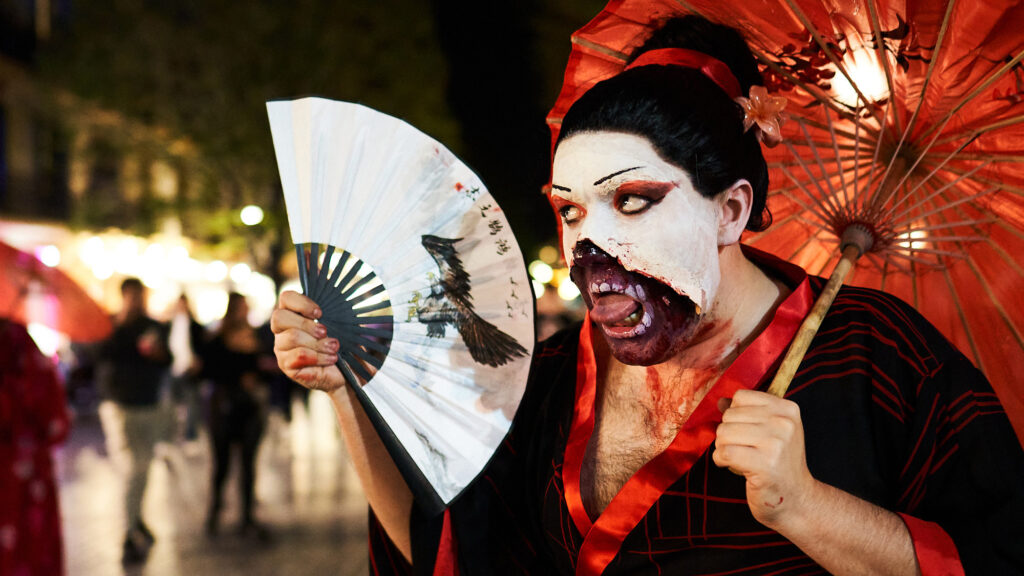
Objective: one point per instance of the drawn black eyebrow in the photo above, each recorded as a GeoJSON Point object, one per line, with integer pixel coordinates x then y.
{"type": "Point", "coordinates": [614, 174]}
{"type": "Point", "coordinates": [562, 188]}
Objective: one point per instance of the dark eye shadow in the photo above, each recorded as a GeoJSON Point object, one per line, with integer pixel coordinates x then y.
{"type": "Point", "coordinates": [652, 190]}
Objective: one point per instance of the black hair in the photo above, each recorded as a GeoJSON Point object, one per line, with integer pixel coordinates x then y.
{"type": "Point", "coordinates": [131, 283]}
{"type": "Point", "coordinates": [689, 120]}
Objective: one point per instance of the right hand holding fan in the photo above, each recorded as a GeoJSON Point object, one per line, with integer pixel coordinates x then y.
{"type": "Point", "coordinates": [304, 352]}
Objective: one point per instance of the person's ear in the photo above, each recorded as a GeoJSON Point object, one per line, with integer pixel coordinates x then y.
{"type": "Point", "coordinates": [734, 210]}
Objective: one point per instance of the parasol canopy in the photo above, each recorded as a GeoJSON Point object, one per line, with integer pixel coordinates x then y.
{"type": "Point", "coordinates": [31, 291]}
{"type": "Point", "coordinates": [906, 119]}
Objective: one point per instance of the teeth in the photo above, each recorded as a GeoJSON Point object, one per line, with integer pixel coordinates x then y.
{"type": "Point", "coordinates": [594, 287]}
{"type": "Point", "coordinates": [640, 292]}
{"type": "Point", "coordinates": [617, 287]}
{"type": "Point", "coordinates": [605, 287]}
{"type": "Point", "coordinates": [646, 320]}
{"type": "Point", "coordinates": [631, 291]}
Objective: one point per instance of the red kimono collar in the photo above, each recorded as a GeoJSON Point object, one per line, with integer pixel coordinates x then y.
{"type": "Point", "coordinates": [753, 367]}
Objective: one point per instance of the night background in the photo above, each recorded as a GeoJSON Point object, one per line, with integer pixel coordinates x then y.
{"type": "Point", "coordinates": [133, 138]}
{"type": "Point", "coordinates": [184, 83]}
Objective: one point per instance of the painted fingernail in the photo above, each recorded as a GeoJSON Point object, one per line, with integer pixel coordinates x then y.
{"type": "Point", "coordinates": [320, 331]}
{"type": "Point", "coordinates": [333, 345]}
{"type": "Point", "coordinates": [317, 312]}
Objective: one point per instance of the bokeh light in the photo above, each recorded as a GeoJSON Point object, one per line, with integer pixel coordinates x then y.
{"type": "Point", "coordinates": [568, 291]}
{"type": "Point", "coordinates": [49, 255]}
{"type": "Point", "coordinates": [549, 254]}
{"type": "Point", "coordinates": [541, 271]}
{"type": "Point", "coordinates": [252, 215]}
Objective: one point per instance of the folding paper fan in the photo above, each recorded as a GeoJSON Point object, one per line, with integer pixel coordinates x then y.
{"type": "Point", "coordinates": [419, 278]}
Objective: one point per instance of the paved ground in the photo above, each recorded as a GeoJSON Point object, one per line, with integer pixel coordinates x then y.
{"type": "Point", "coordinates": [308, 496]}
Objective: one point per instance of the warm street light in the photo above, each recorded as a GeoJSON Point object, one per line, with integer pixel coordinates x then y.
{"type": "Point", "coordinates": [252, 215]}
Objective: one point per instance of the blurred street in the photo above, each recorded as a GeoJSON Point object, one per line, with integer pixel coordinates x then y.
{"type": "Point", "coordinates": [307, 496]}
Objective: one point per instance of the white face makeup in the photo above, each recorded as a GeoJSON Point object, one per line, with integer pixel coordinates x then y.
{"type": "Point", "coordinates": [614, 190]}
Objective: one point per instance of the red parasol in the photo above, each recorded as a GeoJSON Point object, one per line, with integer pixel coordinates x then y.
{"type": "Point", "coordinates": [31, 291]}
{"type": "Point", "coordinates": [906, 117]}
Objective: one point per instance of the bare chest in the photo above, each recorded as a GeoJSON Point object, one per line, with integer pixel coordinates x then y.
{"type": "Point", "coordinates": [634, 423]}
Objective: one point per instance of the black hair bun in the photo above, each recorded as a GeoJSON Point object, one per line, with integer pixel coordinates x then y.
{"type": "Point", "coordinates": [716, 40]}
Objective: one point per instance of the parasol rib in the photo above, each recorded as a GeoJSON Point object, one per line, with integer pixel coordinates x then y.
{"type": "Point", "coordinates": [1009, 261]}
{"type": "Point", "coordinates": [799, 13]}
{"type": "Point", "coordinates": [1004, 123]}
{"type": "Point", "coordinates": [995, 302]}
{"type": "Point", "coordinates": [943, 28]}
{"type": "Point", "coordinates": [815, 181]}
{"type": "Point", "coordinates": [856, 155]}
{"type": "Point", "coordinates": [906, 172]}
{"type": "Point", "coordinates": [874, 159]}
{"type": "Point", "coordinates": [812, 209]}
{"type": "Point", "coordinates": [876, 29]}
{"type": "Point", "coordinates": [973, 222]}
{"type": "Point", "coordinates": [889, 212]}
{"type": "Point", "coordinates": [974, 94]}
{"type": "Point", "coordinates": [835, 150]}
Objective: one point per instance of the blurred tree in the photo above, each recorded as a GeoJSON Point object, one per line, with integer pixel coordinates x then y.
{"type": "Point", "coordinates": [476, 76]}
{"type": "Point", "coordinates": [202, 70]}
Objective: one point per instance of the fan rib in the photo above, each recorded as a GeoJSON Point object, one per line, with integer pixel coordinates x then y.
{"type": "Point", "coordinates": [349, 275]}
{"type": "Point", "coordinates": [353, 301]}
{"type": "Point", "coordinates": [357, 367]}
{"type": "Point", "coordinates": [360, 353]}
{"type": "Point", "coordinates": [359, 283]}
{"type": "Point", "coordinates": [372, 308]}
{"type": "Point", "coordinates": [300, 254]}
{"type": "Point", "coordinates": [332, 280]}
{"type": "Point", "coordinates": [313, 263]}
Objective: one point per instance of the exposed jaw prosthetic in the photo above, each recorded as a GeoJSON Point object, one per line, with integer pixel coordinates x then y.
{"type": "Point", "coordinates": [641, 243]}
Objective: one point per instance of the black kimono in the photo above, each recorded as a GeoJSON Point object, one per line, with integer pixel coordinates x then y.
{"type": "Point", "coordinates": [892, 414]}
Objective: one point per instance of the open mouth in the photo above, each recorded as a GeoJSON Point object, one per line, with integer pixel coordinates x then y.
{"type": "Point", "coordinates": [620, 308]}
{"type": "Point", "coordinates": [629, 305]}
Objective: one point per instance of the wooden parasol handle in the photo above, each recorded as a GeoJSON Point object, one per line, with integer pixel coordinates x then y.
{"type": "Point", "coordinates": [809, 327]}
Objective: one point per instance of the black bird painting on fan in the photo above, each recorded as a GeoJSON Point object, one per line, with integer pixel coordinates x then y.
{"type": "Point", "coordinates": [450, 303]}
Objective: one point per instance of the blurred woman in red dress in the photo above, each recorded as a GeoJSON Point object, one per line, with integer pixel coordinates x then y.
{"type": "Point", "coordinates": [33, 419]}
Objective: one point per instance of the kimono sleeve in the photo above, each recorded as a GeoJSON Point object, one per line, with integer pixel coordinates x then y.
{"type": "Point", "coordinates": [969, 487]}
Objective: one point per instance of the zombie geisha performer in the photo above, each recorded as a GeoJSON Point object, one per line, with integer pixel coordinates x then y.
{"type": "Point", "coordinates": [644, 444]}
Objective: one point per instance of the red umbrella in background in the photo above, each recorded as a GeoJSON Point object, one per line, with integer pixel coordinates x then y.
{"type": "Point", "coordinates": [907, 121]}
{"type": "Point", "coordinates": [31, 291]}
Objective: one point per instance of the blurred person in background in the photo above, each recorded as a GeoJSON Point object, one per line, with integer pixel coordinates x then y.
{"type": "Point", "coordinates": [237, 411]}
{"type": "Point", "coordinates": [33, 419]}
{"type": "Point", "coordinates": [133, 364]}
{"type": "Point", "coordinates": [186, 340]}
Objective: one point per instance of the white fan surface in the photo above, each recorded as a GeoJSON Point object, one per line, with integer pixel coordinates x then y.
{"type": "Point", "coordinates": [373, 185]}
